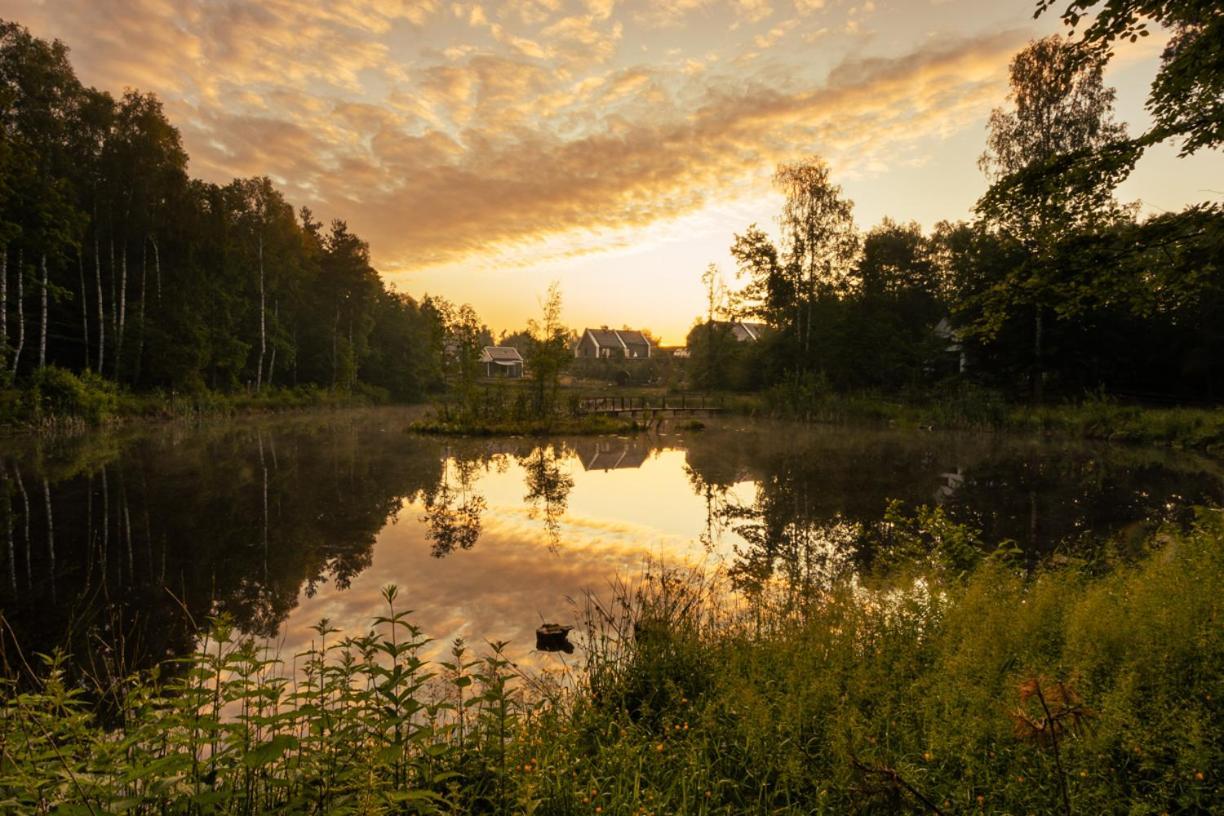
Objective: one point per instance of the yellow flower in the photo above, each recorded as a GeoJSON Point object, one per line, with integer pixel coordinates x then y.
{"type": "Point", "coordinates": [928, 756]}
{"type": "Point", "coordinates": [659, 747]}
{"type": "Point", "coordinates": [1198, 775]}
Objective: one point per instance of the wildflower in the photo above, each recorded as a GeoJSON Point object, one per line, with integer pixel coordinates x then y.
{"type": "Point", "coordinates": [928, 756]}
{"type": "Point", "coordinates": [1198, 776]}
{"type": "Point", "coordinates": [981, 800]}
{"type": "Point", "coordinates": [659, 747]}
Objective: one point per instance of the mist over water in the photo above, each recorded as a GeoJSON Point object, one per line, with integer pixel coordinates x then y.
{"type": "Point", "coordinates": [117, 546]}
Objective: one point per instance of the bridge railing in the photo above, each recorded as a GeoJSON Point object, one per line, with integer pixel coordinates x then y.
{"type": "Point", "coordinates": [626, 404]}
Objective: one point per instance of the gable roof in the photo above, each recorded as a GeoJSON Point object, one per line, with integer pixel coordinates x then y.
{"type": "Point", "coordinates": [755, 330]}
{"type": "Point", "coordinates": [617, 338]}
{"type": "Point", "coordinates": [504, 355]}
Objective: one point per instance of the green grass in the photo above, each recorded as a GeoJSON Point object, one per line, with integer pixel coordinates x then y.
{"type": "Point", "coordinates": [971, 408]}
{"type": "Point", "coordinates": [929, 688]}
{"type": "Point", "coordinates": [56, 398]}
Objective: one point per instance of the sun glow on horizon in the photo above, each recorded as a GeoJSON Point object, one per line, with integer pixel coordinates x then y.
{"type": "Point", "coordinates": [487, 149]}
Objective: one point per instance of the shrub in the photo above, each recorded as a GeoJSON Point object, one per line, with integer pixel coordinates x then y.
{"type": "Point", "coordinates": [59, 393]}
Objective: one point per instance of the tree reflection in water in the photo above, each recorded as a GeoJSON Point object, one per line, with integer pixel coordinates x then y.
{"type": "Point", "coordinates": [818, 499]}
{"type": "Point", "coordinates": [117, 545]}
{"type": "Point", "coordinates": [452, 514]}
{"type": "Point", "coordinates": [548, 487]}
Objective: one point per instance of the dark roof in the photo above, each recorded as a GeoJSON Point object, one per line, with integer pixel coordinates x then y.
{"type": "Point", "coordinates": [633, 338]}
{"type": "Point", "coordinates": [755, 329]}
{"type": "Point", "coordinates": [617, 338]}
{"type": "Point", "coordinates": [604, 337]}
{"type": "Point", "coordinates": [501, 354]}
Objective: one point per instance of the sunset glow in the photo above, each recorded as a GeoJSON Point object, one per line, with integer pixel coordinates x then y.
{"type": "Point", "coordinates": [486, 149]}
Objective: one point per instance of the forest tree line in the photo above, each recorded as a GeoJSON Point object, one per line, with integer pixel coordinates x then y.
{"type": "Point", "coordinates": [114, 262]}
{"type": "Point", "coordinates": [1054, 287]}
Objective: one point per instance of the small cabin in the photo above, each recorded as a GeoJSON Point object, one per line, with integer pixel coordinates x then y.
{"type": "Point", "coordinates": [502, 361]}
{"type": "Point", "coordinates": [613, 344]}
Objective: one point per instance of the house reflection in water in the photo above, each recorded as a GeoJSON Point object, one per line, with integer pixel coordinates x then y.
{"type": "Point", "coordinates": [611, 454]}
{"type": "Point", "coordinates": [952, 482]}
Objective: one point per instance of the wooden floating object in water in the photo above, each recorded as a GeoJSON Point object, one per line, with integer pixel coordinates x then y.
{"type": "Point", "coordinates": [552, 637]}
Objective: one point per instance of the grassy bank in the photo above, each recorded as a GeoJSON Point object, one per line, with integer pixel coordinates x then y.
{"type": "Point", "coordinates": [59, 399]}
{"type": "Point", "coordinates": [928, 690]}
{"type": "Point", "coordinates": [968, 408]}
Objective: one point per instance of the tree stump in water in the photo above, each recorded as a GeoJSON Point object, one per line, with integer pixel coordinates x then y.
{"type": "Point", "coordinates": [552, 637]}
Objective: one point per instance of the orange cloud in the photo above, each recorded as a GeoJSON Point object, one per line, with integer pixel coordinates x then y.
{"type": "Point", "coordinates": [446, 132]}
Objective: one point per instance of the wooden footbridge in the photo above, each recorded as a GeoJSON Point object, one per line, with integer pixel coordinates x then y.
{"type": "Point", "coordinates": [661, 406]}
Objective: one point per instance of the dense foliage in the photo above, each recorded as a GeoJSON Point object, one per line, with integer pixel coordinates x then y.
{"type": "Point", "coordinates": [114, 261]}
{"type": "Point", "coordinates": [1055, 286]}
{"type": "Point", "coordinates": [952, 683]}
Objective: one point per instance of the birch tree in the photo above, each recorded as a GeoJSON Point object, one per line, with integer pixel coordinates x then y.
{"type": "Point", "coordinates": [819, 240]}
{"type": "Point", "coordinates": [1059, 106]}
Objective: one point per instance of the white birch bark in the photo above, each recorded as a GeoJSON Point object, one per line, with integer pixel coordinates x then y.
{"type": "Point", "coordinates": [114, 294]}
{"type": "Point", "coordinates": [156, 265]}
{"type": "Point", "coordinates": [3, 303]}
{"type": "Point", "coordinates": [50, 534]}
{"type": "Point", "coordinates": [42, 329]}
{"type": "Point", "coordinates": [263, 330]}
{"type": "Point", "coordinates": [20, 310]}
{"type": "Point", "coordinates": [101, 307]}
{"type": "Point", "coordinates": [141, 315]}
{"type": "Point", "coordinates": [84, 308]}
{"type": "Point", "coordinates": [122, 310]}
{"type": "Point", "coordinates": [25, 502]}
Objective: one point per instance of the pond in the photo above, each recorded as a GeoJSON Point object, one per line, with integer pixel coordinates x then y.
{"type": "Point", "coordinates": [118, 545]}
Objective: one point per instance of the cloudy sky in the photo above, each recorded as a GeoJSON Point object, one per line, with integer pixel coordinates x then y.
{"type": "Point", "coordinates": [485, 149]}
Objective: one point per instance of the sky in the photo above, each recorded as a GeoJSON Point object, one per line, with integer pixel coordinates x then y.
{"type": "Point", "coordinates": [487, 149]}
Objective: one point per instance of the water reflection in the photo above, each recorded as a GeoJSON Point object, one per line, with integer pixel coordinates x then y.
{"type": "Point", "coordinates": [548, 488]}
{"type": "Point", "coordinates": [117, 546]}
{"type": "Point", "coordinates": [452, 514]}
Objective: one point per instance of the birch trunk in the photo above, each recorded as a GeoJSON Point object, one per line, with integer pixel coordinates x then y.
{"type": "Point", "coordinates": [140, 328]}
{"type": "Point", "coordinates": [20, 310]}
{"type": "Point", "coordinates": [42, 329]}
{"type": "Point", "coordinates": [84, 308]}
{"type": "Point", "coordinates": [114, 294]}
{"type": "Point", "coordinates": [8, 522]}
{"type": "Point", "coordinates": [3, 304]}
{"type": "Point", "coordinates": [25, 503]}
{"type": "Point", "coordinates": [50, 534]}
{"type": "Point", "coordinates": [156, 266]}
{"type": "Point", "coordinates": [272, 360]}
{"type": "Point", "coordinates": [122, 310]}
{"type": "Point", "coordinates": [101, 307]}
{"type": "Point", "coordinates": [263, 331]}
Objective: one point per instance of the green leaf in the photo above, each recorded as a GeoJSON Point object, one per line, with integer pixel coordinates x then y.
{"type": "Point", "coordinates": [270, 751]}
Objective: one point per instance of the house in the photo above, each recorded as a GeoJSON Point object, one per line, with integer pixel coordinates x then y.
{"type": "Point", "coordinates": [742, 331]}
{"type": "Point", "coordinates": [612, 344]}
{"type": "Point", "coordinates": [502, 361]}
{"type": "Point", "coordinates": [945, 332]}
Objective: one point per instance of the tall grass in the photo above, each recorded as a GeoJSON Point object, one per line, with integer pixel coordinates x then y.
{"type": "Point", "coordinates": [930, 689]}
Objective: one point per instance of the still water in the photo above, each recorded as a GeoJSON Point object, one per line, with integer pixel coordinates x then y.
{"type": "Point", "coordinates": [117, 546]}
